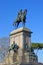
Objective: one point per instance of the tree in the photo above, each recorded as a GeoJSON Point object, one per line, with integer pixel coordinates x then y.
{"type": "Point", "coordinates": [37, 45]}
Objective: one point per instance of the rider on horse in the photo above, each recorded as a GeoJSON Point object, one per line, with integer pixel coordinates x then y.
{"type": "Point", "coordinates": [20, 18]}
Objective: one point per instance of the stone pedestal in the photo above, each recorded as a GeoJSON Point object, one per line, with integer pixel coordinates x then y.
{"type": "Point", "coordinates": [21, 37]}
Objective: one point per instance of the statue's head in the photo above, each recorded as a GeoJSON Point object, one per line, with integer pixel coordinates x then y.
{"type": "Point", "coordinates": [26, 10]}
{"type": "Point", "coordinates": [20, 10]}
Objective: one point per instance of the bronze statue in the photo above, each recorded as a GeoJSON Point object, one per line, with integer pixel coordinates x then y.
{"type": "Point", "coordinates": [14, 47]}
{"type": "Point", "coordinates": [20, 18]}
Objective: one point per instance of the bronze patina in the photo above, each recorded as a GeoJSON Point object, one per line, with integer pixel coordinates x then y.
{"type": "Point", "coordinates": [21, 17]}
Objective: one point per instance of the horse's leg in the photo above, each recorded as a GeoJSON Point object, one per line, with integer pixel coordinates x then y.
{"type": "Point", "coordinates": [17, 24]}
{"type": "Point", "coordinates": [23, 23]}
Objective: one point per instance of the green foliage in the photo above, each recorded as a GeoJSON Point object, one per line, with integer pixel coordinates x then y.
{"type": "Point", "coordinates": [37, 45]}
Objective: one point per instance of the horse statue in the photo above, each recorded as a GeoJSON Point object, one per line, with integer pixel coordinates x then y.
{"type": "Point", "coordinates": [20, 18]}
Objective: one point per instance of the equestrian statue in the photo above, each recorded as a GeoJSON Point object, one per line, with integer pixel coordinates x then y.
{"type": "Point", "coordinates": [21, 17]}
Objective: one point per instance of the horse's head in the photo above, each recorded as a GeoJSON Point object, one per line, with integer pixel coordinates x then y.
{"type": "Point", "coordinates": [20, 12]}
{"type": "Point", "coordinates": [25, 12]}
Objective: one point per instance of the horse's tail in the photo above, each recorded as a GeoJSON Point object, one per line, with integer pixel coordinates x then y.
{"type": "Point", "coordinates": [14, 23]}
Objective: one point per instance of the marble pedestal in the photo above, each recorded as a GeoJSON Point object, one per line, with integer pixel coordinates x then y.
{"type": "Point", "coordinates": [21, 37]}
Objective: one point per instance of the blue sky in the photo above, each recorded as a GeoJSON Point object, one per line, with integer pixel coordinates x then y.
{"type": "Point", "coordinates": [34, 21]}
